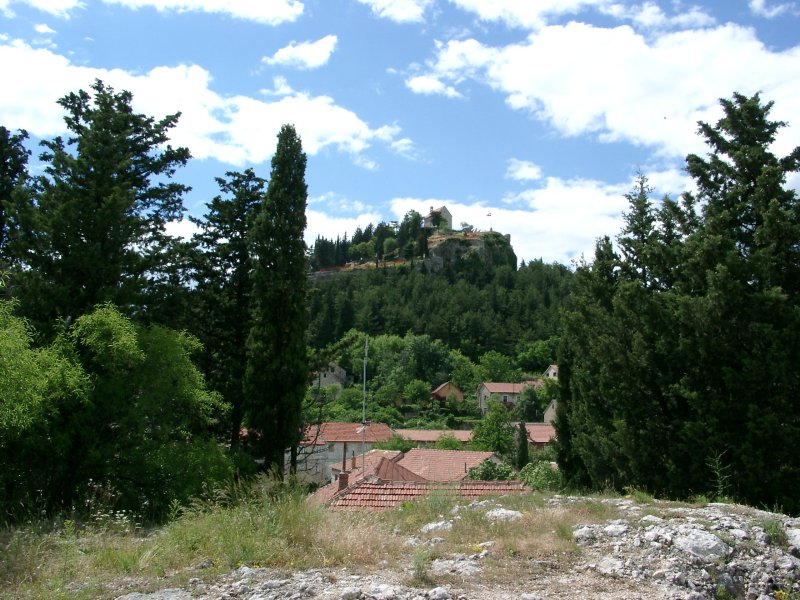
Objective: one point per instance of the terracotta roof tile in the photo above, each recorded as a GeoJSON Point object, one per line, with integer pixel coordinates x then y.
{"type": "Point", "coordinates": [442, 465]}
{"type": "Point", "coordinates": [432, 435]}
{"type": "Point", "coordinates": [383, 495]}
{"type": "Point", "coordinates": [496, 387]}
{"type": "Point", "coordinates": [540, 433]}
{"type": "Point", "coordinates": [327, 433]}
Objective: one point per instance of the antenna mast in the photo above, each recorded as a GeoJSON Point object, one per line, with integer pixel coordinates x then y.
{"type": "Point", "coordinates": [364, 407]}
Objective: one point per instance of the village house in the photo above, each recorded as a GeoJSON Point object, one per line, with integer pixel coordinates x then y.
{"type": "Point", "coordinates": [441, 393]}
{"type": "Point", "coordinates": [507, 394]}
{"type": "Point", "coordinates": [334, 443]}
{"type": "Point", "coordinates": [330, 375]}
{"type": "Point", "coordinates": [382, 479]}
{"type": "Point", "coordinates": [540, 434]}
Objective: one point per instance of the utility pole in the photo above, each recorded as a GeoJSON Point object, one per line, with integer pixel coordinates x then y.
{"type": "Point", "coordinates": [364, 407]}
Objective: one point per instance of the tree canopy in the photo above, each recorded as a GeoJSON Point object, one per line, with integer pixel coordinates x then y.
{"type": "Point", "coordinates": [677, 357]}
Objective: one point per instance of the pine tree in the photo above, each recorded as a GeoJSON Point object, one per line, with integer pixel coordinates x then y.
{"type": "Point", "coordinates": [677, 358]}
{"type": "Point", "coordinates": [277, 371]}
{"type": "Point", "coordinates": [95, 230]}
{"type": "Point", "coordinates": [222, 304]}
{"type": "Point", "coordinates": [13, 172]}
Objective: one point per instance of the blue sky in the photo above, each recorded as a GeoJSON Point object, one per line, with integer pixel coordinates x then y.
{"type": "Point", "coordinates": [536, 112]}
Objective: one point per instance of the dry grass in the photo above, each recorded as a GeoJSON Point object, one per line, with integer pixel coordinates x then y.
{"type": "Point", "coordinates": [265, 527]}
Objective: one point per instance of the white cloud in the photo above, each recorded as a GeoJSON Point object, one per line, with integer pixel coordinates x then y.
{"type": "Point", "coordinates": [529, 15]}
{"type": "Point", "coordinates": [614, 84]}
{"type": "Point", "coordinates": [650, 15]}
{"type": "Point", "coordinates": [236, 130]}
{"type": "Point", "coordinates": [57, 8]}
{"type": "Point", "coordinates": [319, 223]}
{"type": "Point", "coordinates": [430, 85]}
{"type": "Point", "coordinates": [43, 28]}
{"type": "Point", "coordinates": [183, 229]}
{"type": "Point", "coordinates": [400, 11]}
{"type": "Point", "coordinates": [760, 8]}
{"type": "Point", "coordinates": [557, 222]}
{"type": "Point", "coordinates": [269, 12]}
{"type": "Point", "coordinates": [523, 170]}
{"type": "Point", "coordinates": [306, 55]}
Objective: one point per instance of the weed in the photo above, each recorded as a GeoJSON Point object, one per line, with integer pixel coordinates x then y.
{"type": "Point", "coordinates": [421, 566]}
{"type": "Point", "coordinates": [777, 534]}
{"type": "Point", "coordinates": [722, 475]}
{"type": "Point", "coordinates": [640, 496]}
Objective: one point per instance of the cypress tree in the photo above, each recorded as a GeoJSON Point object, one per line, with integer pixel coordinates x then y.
{"type": "Point", "coordinates": [523, 457]}
{"type": "Point", "coordinates": [277, 370]}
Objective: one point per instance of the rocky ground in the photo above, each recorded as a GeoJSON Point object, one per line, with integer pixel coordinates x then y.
{"type": "Point", "coordinates": [652, 551]}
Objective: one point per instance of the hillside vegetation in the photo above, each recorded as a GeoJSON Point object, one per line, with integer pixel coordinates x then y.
{"type": "Point", "coordinates": [131, 362]}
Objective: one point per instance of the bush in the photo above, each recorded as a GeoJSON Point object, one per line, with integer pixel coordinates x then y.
{"type": "Point", "coordinates": [489, 470]}
{"type": "Point", "coordinates": [542, 476]}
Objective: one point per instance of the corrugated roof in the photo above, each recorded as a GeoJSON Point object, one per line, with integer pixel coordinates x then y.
{"type": "Point", "coordinates": [442, 465]}
{"type": "Point", "coordinates": [327, 433]}
{"type": "Point", "coordinates": [432, 435]}
{"type": "Point", "coordinates": [384, 495]}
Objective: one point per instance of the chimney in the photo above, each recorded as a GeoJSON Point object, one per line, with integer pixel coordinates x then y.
{"type": "Point", "coordinates": [353, 460]}
{"type": "Point", "coordinates": [344, 477]}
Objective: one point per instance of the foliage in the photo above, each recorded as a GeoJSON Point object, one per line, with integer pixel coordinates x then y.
{"type": "Point", "coordinates": [13, 173]}
{"type": "Point", "coordinates": [490, 470]}
{"type": "Point", "coordinates": [448, 441]}
{"type": "Point", "coordinates": [542, 476]}
{"type": "Point", "coordinates": [222, 298]}
{"type": "Point", "coordinates": [396, 442]}
{"type": "Point", "coordinates": [675, 365]}
{"type": "Point", "coordinates": [495, 432]}
{"type": "Point", "coordinates": [277, 373]}
{"type": "Point", "coordinates": [110, 403]}
{"type": "Point", "coordinates": [92, 230]}
{"type": "Point", "coordinates": [521, 457]}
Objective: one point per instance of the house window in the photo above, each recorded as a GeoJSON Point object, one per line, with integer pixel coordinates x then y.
{"type": "Point", "coordinates": [331, 448]}
{"type": "Point", "coordinates": [505, 398]}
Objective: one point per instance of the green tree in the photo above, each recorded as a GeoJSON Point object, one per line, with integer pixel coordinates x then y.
{"type": "Point", "coordinates": [522, 456]}
{"type": "Point", "coordinates": [96, 225]}
{"type": "Point", "coordinates": [675, 360]}
{"type": "Point", "coordinates": [447, 441]}
{"type": "Point", "coordinates": [13, 172]}
{"type": "Point", "coordinates": [110, 402]}
{"type": "Point", "coordinates": [222, 303]}
{"type": "Point", "coordinates": [277, 372]}
{"type": "Point", "coordinates": [495, 432]}
{"type": "Point", "coordinates": [490, 470]}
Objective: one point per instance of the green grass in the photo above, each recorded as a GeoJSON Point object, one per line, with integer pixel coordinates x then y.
{"type": "Point", "coordinates": [272, 526]}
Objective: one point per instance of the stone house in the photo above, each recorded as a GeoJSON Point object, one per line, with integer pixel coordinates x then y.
{"type": "Point", "coordinates": [445, 219]}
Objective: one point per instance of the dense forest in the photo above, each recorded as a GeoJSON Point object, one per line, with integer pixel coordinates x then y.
{"type": "Point", "coordinates": [131, 362]}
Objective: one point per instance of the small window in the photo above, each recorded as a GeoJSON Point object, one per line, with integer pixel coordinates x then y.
{"type": "Point", "coordinates": [505, 398]}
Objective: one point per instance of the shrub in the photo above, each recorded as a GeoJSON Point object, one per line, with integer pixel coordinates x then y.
{"type": "Point", "coordinates": [542, 476]}
{"type": "Point", "coordinates": [489, 470]}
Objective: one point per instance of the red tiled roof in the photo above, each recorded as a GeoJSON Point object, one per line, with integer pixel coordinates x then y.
{"type": "Point", "coordinates": [495, 387]}
{"type": "Point", "coordinates": [432, 435]}
{"type": "Point", "coordinates": [370, 461]}
{"type": "Point", "coordinates": [540, 433]}
{"type": "Point", "coordinates": [326, 433]}
{"type": "Point", "coordinates": [442, 465]}
{"type": "Point", "coordinates": [384, 495]}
